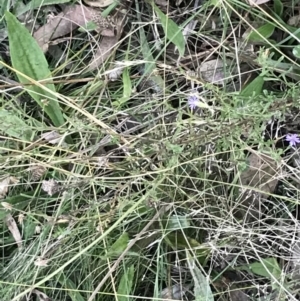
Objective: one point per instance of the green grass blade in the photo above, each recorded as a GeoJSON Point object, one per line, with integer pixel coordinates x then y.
{"type": "Point", "coordinates": [172, 31]}
{"type": "Point", "coordinates": [28, 59]}
{"type": "Point", "coordinates": [125, 284]}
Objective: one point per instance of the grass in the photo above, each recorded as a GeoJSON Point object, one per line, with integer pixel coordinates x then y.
{"type": "Point", "coordinates": [135, 196]}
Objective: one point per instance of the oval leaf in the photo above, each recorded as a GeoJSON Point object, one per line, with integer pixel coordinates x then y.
{"type": "Point", "coordinates": [28, 58]}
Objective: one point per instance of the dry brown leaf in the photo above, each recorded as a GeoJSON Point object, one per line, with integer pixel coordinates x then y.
{"type": "Point", "coordinates": [71, 18]}
{"type": "Point", "coordinates": [5, 184]}
{"type": "Point", "coordinates": [14, 230]}
{"type": "Point", "coordinates": [106, 47]}
{"type": "Point", "coordinates": [262, 175]}
{"type": "Point", "coordinates": [36, 172]}
{"type": "Point", "coordinates": [7, 206]}
{"type": "Point", "coordinates": [213, 71]}
{"type": "Point", "coordinates": [51, 186]}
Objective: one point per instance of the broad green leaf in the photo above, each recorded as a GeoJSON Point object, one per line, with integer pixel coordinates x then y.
{"type": "Point", "coordinates": [267, 267]}
{"type": "Point", "coordinates": [262, 33]}
{"type": "Point", "coordinates": [28, 58]}
{"type": "Point", "coordinates": [172, 31]}
{"type": "Point", "coordinates": [278, 7]}
{"type": "Point", "coordinates": [14, 126]}
{"type": "Point", "coordinates": [119, 245]}
{"type": "Point", "coordinates": [125, 285]}
{"type": "Point", "coordinates": [127, 88]}
{"type": "Point", "coordinates": [202, 289]}
{"type": "Point", "coordinates": [150, 62]}
{"type": "Point", "coordinates": [254, 88]}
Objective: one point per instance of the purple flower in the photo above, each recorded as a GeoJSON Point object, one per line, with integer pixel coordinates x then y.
{"type": "Point", "coordinates": [193, 101]}
{"type": "Point", "coordinates": [293, 139]}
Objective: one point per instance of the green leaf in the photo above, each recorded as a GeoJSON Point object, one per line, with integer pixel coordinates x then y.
{"type": "Point", "coordinates": [127, 88]}
{"type": "Point", "coordinates": [171, 29]}
{"type": "Point", "coordinates": [202, 290]}
{"type": "Point", "coordinates": [262, 33]}
{"type": "Point", "coordinates": [267, 267]}
{"type": "Point", "coordinates": [296, 51]}
{"type": "Point", "coordinates": [28, 58]}
{"type": "Point", "coordinates": [125, 285]}
{"type": "Point", "coordinates": [254, 88]}
{"type": "Point", "coordinates": [119, 245]}
{"type": "Point", "coordinates": [14, 126]}
{"type": "Point", "coordinates": [177, 222]}
{"type": "Point", "coordinates": [278, 7]}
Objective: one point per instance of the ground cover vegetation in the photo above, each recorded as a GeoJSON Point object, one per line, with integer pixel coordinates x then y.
{"type": "Point", "coordinates": [149, 150]}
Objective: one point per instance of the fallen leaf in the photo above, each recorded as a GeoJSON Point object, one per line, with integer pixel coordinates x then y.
{"type": "Point", "coordinates": [238, 295]}
{"type": "Point", "coordinates": [71, 18]}
{"type": "Point", "coordinates": [106, 46]}
{"type": "Point", "coordinates": [5, 184]}
{"type": "Point", "coordinates": [54, 138]}
{"type": "Point", "coordinates": [175, 292]}
{"type": "Point", "coordinates": [14, 230]}
{"type": "Point", "coordinates": [40, 262]}
{"type": "Point", "coordinates": [261, 174]}
{"type": "Point", "coordinates": [36, 172]}
{"type": "Point", "coordinates": [7, 206]}
{"type": "Point", "coordinates": [213, 71]}
{"type": "Point", "coordinates": [51, 186]}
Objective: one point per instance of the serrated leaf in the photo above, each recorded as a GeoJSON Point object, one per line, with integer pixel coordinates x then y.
{"type": "Point", "coordinates": [254, 88]}
{"type": "Point", "coordinates": [28, 58]}
{"type": "Point", "coordinates": [14, 126]}
{"type": "Point", "coordinates": [172, 31]}
{"type": "Point", "coordinates": [125, 285]}
{"type": "Point", "coordinates": [262, 33]}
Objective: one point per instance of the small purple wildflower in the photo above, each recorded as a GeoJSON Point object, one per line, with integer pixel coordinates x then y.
{"type": "Point", "coordinates": [193, 101]}
{"type": "Point", "coordinates": [293, 139]}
